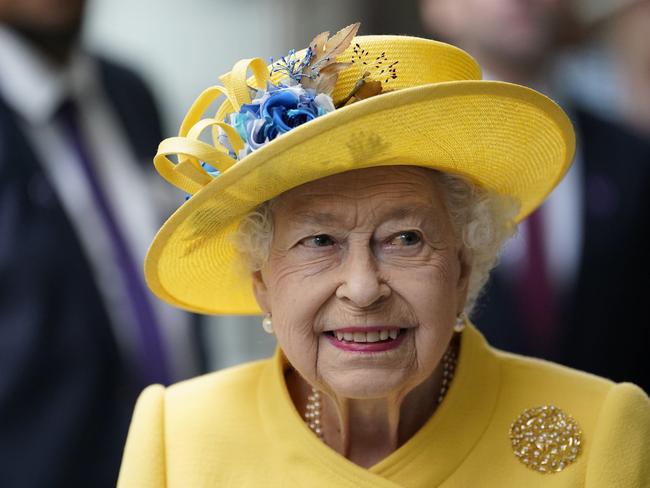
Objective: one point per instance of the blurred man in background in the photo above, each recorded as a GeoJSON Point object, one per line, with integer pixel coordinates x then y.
{"type": "Point", "coordinates": [517, 39]}
{"type": "Point", "coordinates": [609, 71]}
{"type": "Point", "coordinates": [629, 35]}
{"type": "Point", "coordinates": [558, 271]}
{"type": "Point", "coordinates": [79, 334]}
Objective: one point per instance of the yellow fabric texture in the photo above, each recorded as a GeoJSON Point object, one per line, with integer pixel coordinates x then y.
{"type": "Point", "coordinates": [239, 428]}
{"type": "Point", "coordinates": [437, 113]}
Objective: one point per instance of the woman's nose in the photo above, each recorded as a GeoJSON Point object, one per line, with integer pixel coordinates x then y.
{"type": "Point", "coordinates": [361, 283]}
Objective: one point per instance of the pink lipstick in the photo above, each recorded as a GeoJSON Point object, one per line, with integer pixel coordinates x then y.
{"type": "Point", "coordinates": [366, 340]}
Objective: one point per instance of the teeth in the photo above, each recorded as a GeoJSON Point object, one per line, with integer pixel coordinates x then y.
{"type": "Point", "coordinates": [371, 336]}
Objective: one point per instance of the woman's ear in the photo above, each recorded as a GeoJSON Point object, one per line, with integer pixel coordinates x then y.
{"type": "Point", "coordinates": [261, 292]}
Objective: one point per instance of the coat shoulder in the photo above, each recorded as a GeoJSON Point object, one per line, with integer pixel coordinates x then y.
{"type": "Point", "coordinates": [532, 376]}
{"type": "Point", "coordinates": [239, 378]}
{"type": "Point", "coordinates": [613, 418]}
{"type": "Point", "coordinates": [227, 393]}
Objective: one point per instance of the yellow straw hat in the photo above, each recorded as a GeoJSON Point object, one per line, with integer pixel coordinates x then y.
{"type": "Point", "coordinates": [399, 101]}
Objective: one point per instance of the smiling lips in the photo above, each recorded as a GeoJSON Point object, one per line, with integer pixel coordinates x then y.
{"type": "Point", "coordinates": [365, 339]}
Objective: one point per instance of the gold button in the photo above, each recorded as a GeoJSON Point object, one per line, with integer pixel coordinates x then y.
{"type": "Point", "coordinates": [545, 439]}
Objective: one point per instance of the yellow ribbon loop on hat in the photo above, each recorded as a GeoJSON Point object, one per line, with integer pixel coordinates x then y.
{"type": "Point", "coordinates": [201, 104]}
{"type": "Point", "coordinates": [184, 175]}
{"type": "Point", "coordinates": [235, 139]}
{"type": "Point", "coordinates": [188, 175]}
{"type": "Point", "coordinates": [235, 81]}
{"type": "Point", "coordinates": [197, 151]}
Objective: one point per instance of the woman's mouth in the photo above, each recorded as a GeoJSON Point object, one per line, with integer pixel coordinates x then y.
{"type": "Point", "coordinates": [357, 339]}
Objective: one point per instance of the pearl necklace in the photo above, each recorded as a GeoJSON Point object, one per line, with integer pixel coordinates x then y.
{"type": "Point", "coordinates": [314, 404]}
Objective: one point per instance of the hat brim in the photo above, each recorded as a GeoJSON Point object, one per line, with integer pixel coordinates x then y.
{"type": "Point", "coordinates": [504, 137]}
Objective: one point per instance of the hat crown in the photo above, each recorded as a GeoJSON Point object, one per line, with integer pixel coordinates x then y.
{"type": "Point", "coordinates": [418, 62]}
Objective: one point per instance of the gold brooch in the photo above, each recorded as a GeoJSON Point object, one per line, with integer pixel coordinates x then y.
{"type": "Point", "coordinates": [545, 439]}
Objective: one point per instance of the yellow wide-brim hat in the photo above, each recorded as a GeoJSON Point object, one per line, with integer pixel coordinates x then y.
{"type": "Point", "coordinates": [434, 112]}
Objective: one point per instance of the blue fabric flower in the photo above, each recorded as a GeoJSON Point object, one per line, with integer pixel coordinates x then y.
{"type": "Point", "coordinates": [273, 112]}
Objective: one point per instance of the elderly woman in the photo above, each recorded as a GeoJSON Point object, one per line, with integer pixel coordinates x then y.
{"type": "Point", "coordinates": [357, 193]}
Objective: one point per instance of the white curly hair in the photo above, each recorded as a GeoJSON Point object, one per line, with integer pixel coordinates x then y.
{"type": "Point", "coordinates": [481, 219]}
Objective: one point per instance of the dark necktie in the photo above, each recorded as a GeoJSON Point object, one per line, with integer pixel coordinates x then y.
{"type": "Point", "coordinates": [536, 296]}
{"type": "Point", "coordinates": [152, 360]}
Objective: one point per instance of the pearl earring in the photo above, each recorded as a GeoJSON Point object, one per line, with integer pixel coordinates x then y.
{"type": "Point", "coordinates": [267, 324]}
{"type": "Point", "coordinates": [461, 320]}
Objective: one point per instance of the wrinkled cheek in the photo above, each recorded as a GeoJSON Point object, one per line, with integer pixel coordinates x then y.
{"type": "Point", "coordinates": [327, 365]}
{"type": "Point", "coordinates": [431, 342]}
{"type": "Point", "coordinates": [411, 360]}
{"type": "Point", "coordinates": [321, 360]}
{"type": "Point", "coordinates": [301, 346]}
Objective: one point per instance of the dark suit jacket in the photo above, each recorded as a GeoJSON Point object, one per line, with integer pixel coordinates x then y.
{"type": "Point", "coordinates": [604, 325]}
{"type": "Point", "coordinates": [65, 396]}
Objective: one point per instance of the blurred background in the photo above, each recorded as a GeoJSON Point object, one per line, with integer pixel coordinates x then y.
{"type": "Point", "coordinates": [88, 89]}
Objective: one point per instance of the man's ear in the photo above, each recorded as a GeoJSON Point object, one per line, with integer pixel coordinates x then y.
{"type": "Point", "coordinates": [465, 261]}
{"type": "Point", "coordinates": [261, 292]}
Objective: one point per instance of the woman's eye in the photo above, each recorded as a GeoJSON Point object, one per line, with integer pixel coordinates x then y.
{"type": "Point", "coordinates": [406, 238]}
{"type": "Point", "coordinates": [320, 240]}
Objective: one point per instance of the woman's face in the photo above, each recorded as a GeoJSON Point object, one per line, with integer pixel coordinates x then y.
{"type": "Point", "coordinates": [364, 280]}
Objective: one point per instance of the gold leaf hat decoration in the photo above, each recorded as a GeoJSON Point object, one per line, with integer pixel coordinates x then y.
{"type": "Point", "coordinates": [345, 102]}
{"type": "Point", "coordinates": [546, 439]}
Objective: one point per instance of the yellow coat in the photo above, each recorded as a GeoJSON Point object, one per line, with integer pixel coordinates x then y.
{"type": "Point", "coordinates": [238, 428]}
